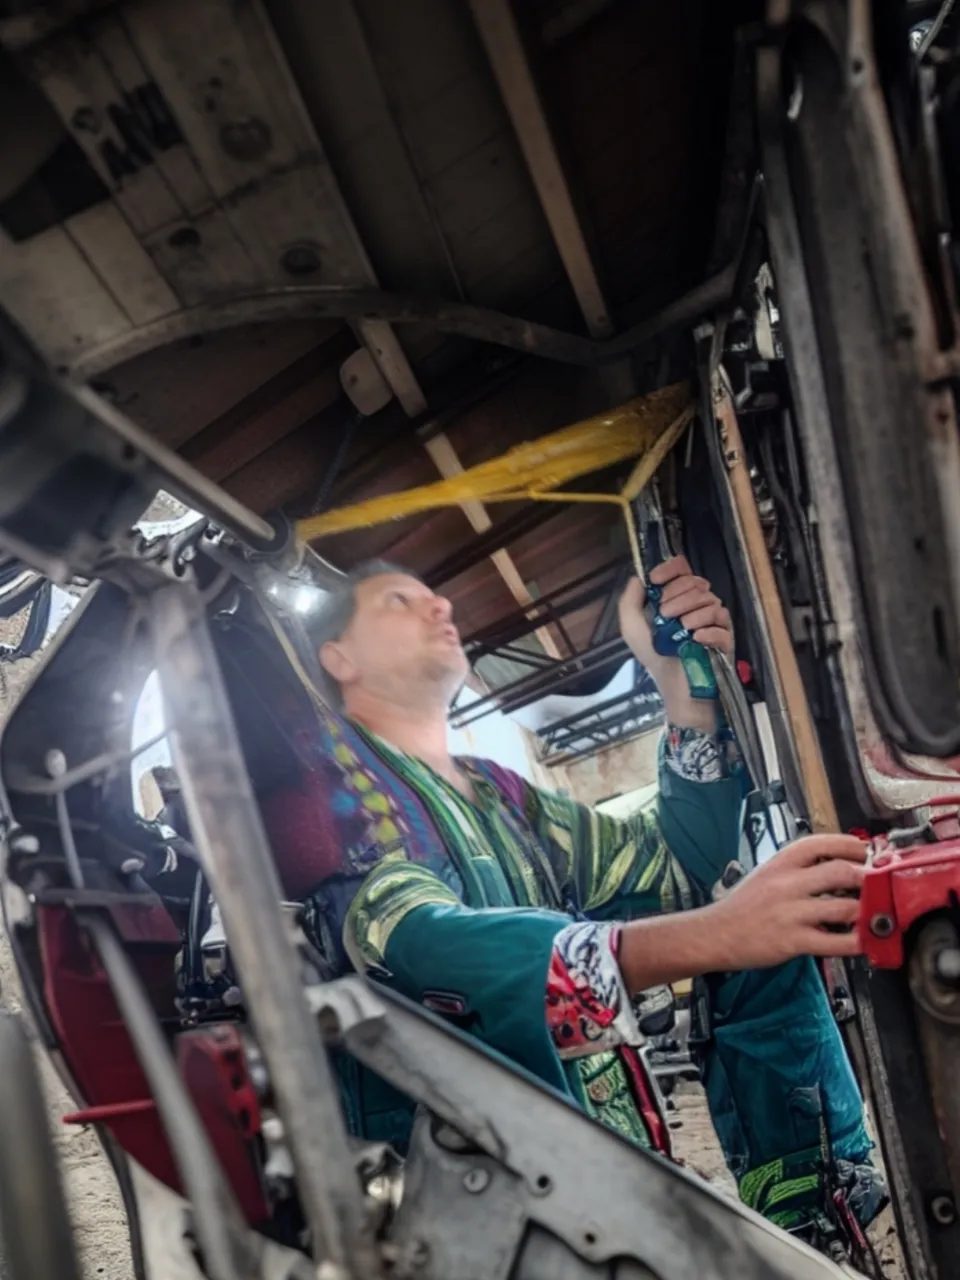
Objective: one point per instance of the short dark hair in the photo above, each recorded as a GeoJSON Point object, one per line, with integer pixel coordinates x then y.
{"type": "Point", "coordinates": [336, 613]}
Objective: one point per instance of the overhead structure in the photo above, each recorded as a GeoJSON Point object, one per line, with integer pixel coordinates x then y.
{"type": "Point", "coordinates": [217, 207]}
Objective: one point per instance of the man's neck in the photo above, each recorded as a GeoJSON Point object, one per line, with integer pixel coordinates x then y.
{"type": "Point", "coordinates": [418, 731]}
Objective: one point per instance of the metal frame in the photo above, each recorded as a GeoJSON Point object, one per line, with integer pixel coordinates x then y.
{"type": "Point", "coordinates": [497, 24]}
{"type": "Point", "coordinates": [511, 1179]}
{"type": "Point", "coordinates": [551, 675]}
{"type": "Point", "coordinates": [881, 1038]}
{"type": "Point", "coordinates": [604, 724]}
{"type": "Point", "coordinates": [505, 1177]}
{"type": "Point", "coordinates": [315, 302]}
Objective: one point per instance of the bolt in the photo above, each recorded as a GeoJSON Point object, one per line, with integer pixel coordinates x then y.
{"type": "Point", "coordinates": [475, 1181]}
{"type": "Point", "coordinates": [943, 1210]}
{"type": "Point", "coordinates": [23, 842]}
{"type": "Point", "coordinates": [246, 140]}
{"type": "Point", "coordinates": [184, 238]}
{"type": "Point", "coordinates": [418, 1253]}
{"type": "Point", "coordinates": [84, 120]}
{"type": "Point", "coordinates": [56, 763]}
{"type": "Point", "coordinates": [882, 926]}
{"type": "Point", "coordinates": [301, 260]}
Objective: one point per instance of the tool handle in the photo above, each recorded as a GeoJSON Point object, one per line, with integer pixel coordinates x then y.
{"type": "Point", "coordinates": [671, 639]}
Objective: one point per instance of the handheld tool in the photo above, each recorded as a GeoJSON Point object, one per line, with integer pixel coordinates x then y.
{"type": "Point", "coordinates": [671, 639]}
{"type": "Point", "coordinates": [709, 675]}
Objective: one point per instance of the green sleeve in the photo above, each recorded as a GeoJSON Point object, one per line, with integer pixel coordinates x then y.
{"type": "Point", "coordinates": [490, 964]}
{"type": "Point", "coordinates": [666, 857]}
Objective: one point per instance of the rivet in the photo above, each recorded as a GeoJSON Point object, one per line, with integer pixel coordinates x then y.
{"type": "Point", "coordinates": [475, 1181]}
{"type": "Point", "coordinates": [943, 1210]}
{"type": "Point", "coordinates": [881, 926]}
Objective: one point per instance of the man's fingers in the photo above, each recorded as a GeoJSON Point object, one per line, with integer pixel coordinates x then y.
{"type": "Point", "coordinates": [810, 849]}
{"type": "Point", "coordinates": [715, 638]}
{"type": "Point", "coordinates": [835, 876]}
{"type": "Point", "coordinates": [707, 615]}
{"type": "Point", "coordinates": [817, 942]}
{"type": "Point", "coordinates": [694, 596]}
{"type": "Point", "coordinates": [682, 585]}
{"type": "Point", "coordinates": [675, 567]}
{"type": "Point", "coordinates": [633, 595]}
{"type": "Point", "coordinates": [832, 911]}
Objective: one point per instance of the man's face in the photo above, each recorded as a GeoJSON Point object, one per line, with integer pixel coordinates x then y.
{"type": "Point", "coordinates": [400, 642]}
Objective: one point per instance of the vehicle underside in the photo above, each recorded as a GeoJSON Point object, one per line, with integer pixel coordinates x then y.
{"type": "Point", "coordinates": [278, 259]}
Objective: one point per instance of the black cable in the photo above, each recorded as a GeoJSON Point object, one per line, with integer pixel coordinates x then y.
{"type": "Point", "coordinates": [336, 466]}
{"type": "Point", "coordinates": [36, 629]}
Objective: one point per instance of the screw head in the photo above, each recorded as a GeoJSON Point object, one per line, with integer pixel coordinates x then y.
{"type": "Point", "coordinates": [301, 260]}
{"type": "Point", "coordinates": [24, 843]}
{"type": "Point", "coordinates": [56, 763]}
{"type": "Point", "coordinates": [247, 139]}
{"type": "Point", "coordinates": [943, 1210]}
{"type": "Point", "coordinates": [881, 926]}
{"type": "Point", "coordinates": [475, 1181]}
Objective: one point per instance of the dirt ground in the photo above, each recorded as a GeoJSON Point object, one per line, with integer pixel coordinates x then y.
{"type": "Point", "coordinates": [95, 1206]}
{"type": "Point", "coordinates": [695, 1143]}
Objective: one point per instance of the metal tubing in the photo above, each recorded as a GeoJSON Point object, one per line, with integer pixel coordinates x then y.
{"type": "Point", "coordinates": [222, 1234]}
{"type": "Point", "coordinates": [528, 688]}
{"type": "Point", "coordinates": [179, 477]}
{"type": "Point", "coordinates": [560, 601]}
{"type": "Point", "coordinates": [461, 318]}
{"type": "Point", "coordinates": [230, 839]}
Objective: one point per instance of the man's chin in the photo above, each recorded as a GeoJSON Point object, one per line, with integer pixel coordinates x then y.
{"type": "Point", "coordinates": [450, 670]}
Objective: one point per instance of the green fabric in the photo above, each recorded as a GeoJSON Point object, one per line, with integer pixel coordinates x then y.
{"type": "Point", "coordinates": [522, 863]}
{"type": "Point", "coordinates": [525, 872]}
{"type": "Point", "coordinates": [787, 1191]}
{"type": "Point", "coordinates": [665, 858]}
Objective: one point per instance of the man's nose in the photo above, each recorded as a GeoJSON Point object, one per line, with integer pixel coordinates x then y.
{"type": "Point", "coordinates": [440, 609]}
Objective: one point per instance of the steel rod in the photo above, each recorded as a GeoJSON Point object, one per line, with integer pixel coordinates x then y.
{"type": "Point", "coordinates": [229, 836]}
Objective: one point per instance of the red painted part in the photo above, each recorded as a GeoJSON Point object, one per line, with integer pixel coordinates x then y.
{"type": "Point", "coordinates": [745, 672]}
{"type": "Point", "coordinates": [113, 1111]}
{"type": "Point", "coordinates": [214, 1067]}
{"type": "Point", "coordinates": [92, 1038]}
{"type": "Point", "coordinates": [899, 888]}
{"type": "Point", "coordinates": [101, 1059]}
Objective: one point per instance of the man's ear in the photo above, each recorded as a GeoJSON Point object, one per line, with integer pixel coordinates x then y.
{"type": "Point", "coordinates": [335, 662]}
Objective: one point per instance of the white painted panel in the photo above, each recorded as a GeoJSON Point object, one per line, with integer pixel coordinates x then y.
{"type": "Point", "coordinates": [54, 293]}
{"type": "Point", "coordinates": [121, 262]}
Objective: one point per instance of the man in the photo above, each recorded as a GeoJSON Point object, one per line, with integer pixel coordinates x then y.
{"type": "Point", "coordinates": [532, 921]}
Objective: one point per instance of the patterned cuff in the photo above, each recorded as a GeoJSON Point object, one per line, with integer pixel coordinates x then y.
{"type": "Point", "coordinates": [699, 756]}
{"type": "Point", "coordinates": [588, 1006]}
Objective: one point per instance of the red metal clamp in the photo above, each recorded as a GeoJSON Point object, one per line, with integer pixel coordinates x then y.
{"type": "Point", "coordinates": [901, 886]}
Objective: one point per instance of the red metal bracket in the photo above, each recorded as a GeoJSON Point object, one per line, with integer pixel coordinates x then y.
{"type": "Point", "coordinates": [110, 1111]}
{"type": "Point", "coordinates": [901, 886]}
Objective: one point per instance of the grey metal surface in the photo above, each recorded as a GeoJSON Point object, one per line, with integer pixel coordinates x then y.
{"type": "Point", "coordinates": [315, 302]}
{"type": "Point", "coordinates": [228, 833]}
{"type": "Point", "coordinates": [36, 1240]}
{"type": "Point", "coordinates": [229, 1249]}
{"type": "Point", "coordinates": [877, 341]}
{"type": "Point", "coordinates": [594, 1192]}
